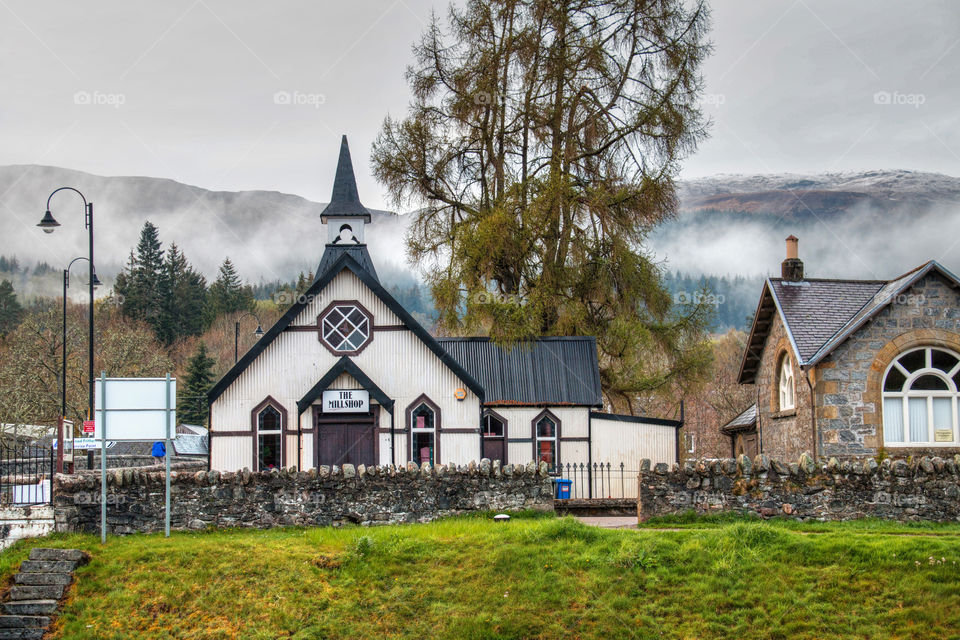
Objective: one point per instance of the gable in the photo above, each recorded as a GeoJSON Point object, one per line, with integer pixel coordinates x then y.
{"type": "Point", "coordinates": [308, 305]}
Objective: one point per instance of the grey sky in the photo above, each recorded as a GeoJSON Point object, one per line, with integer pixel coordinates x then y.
{"type": "Point", "coordinates": [185, 89]}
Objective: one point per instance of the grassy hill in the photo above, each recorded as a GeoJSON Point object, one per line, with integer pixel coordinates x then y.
{"type": "Point", "coordinates": [529, 578]}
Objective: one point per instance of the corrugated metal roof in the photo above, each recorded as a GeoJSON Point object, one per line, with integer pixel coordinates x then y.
{"type": "Point", "coordinates": [557, 371]}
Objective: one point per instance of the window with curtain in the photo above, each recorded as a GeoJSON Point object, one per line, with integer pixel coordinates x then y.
{"type": "Point", "coordinates": [423, 431]}
{"type": "Point", "coordinates": [787, 395]}
{"type": "Point", "coordinates": [546, 442]}
{"type": "Point", "coordinates": [920, 398]}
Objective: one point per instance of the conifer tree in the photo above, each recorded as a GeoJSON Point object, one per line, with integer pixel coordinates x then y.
{"type": "Point", "coordinates": [228, 294]}
{"type": "Point", "coordinates": [192, 397]}
{"type": "Point", "coordinates": [139, 285]}
{"type": "Point", "coordinates": [10, 310]}
{"type": "Point", "coordinates": [183, 293]}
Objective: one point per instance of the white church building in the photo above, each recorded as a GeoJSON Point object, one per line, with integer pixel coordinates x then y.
{"type": "Point", "coordinates": [347, 375]}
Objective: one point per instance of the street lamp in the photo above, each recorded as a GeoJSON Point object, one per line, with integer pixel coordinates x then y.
{"type": "Point", "coordinates": [49, 224]}
{"type": "Point", "coordinates": [63, 361]}
{"type": "Point", "coordinates": [236, 334]}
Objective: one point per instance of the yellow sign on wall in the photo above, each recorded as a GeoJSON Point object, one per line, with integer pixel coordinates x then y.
{"type": "Point", "coordinates": [943, 435]}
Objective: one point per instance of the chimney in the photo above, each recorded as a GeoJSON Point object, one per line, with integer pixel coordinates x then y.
{"type": "Point", "coordinates": [792, 268]}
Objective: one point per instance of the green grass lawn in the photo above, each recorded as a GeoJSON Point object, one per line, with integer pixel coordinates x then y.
{"type": "Point", "coordinates": [529, 578]}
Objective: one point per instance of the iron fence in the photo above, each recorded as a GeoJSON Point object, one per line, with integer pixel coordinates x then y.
{"type": "Point", "coordinates": [600, 479]}
{"type": "Point", "coordinates": [25, 474]}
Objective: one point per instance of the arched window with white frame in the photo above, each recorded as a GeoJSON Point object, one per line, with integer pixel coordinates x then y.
{"type": "Point", "coordinates": [787, 393]}
{"type": "Point", "coordinates": [920, 398]}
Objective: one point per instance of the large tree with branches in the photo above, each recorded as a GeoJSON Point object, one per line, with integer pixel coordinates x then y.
{"type": "Point", "coordinates": [540, 149]}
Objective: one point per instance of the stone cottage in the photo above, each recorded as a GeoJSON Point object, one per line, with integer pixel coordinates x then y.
{"type": "Point", "coordinates": [852, 367]}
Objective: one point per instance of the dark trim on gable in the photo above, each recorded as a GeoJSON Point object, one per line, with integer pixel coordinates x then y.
{"type": "Point", "coordinates": [344, 262]}
{"type": "Point", "coordinates": [664, 422]}
{"type": "Point", "coordinates": [344, 365]}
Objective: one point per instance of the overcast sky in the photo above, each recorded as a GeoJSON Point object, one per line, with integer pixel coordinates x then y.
{"type": "Point", "coordinates": [188, 89]}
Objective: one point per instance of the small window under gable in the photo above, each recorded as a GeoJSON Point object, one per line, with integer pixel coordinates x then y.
{"type": "Point", "coordinates": [269, 438]}
{"type": "Point", "coordinates": [787, 391]}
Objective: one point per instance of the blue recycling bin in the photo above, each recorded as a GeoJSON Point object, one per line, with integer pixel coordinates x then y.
{"type": "Point", "coordinates": [564, 488]}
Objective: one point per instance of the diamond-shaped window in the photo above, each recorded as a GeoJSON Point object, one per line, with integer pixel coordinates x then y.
{"type": "Point", "coordinates": [345, 328]}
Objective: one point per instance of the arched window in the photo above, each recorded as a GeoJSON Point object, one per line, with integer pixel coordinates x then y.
{"type": "Point", "coordinates": [920, 398]}
{"type": "Point", "coordinates": [785, 384]}
{"type": "Point", "coordinates": [546, 438]}
{"type": "Point", "coordinates": [269, 438]}
{"type": "Point", "coordinates": [423, 419]}
{"type": "Point", "coordinates": [494, 436]}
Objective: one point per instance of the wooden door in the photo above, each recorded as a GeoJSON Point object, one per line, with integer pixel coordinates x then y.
{"type": "Point", "coordinates": [346, 440]}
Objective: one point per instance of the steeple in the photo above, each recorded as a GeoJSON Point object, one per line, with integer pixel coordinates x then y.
{"type": "Point", "coordinates": [345, 201]}
{"type": "Point", "coordinates": [345, 218]}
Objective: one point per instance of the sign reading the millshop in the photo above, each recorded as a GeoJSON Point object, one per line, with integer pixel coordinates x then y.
{"type": "Point", "coordinates": [346, 401]}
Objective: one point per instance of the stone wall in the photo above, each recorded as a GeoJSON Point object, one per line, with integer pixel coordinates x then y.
{"type": "Point", "coordinates": [850, 380]}
{"type": "Point", "coordinates": [24, 521]}
{"type": "Point", "coordinates": [783, 434]}
{"type": "Point", "coordinates": [127, 460]}
{"type": "Point", "coordinates": [926, 489]}
{"type": "Point", "coordinates": [363, 495]}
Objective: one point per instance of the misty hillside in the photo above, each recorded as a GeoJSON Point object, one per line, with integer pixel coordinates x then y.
{"type": "Point", "coordinates": [267, 234]}
{"type": "Point", "coordinates": [729, 232]}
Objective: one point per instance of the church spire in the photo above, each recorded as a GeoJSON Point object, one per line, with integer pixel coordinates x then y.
{"type": "Point", "coordinates": [345, 200]}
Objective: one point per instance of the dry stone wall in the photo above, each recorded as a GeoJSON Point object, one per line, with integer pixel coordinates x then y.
{"type": "Point", "coordinates": [324, 496]}
{"type": "Point", "coordinates": [923, 489]}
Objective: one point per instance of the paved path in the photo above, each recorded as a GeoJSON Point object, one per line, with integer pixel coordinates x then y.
{"type": "Point", "coordinates": [611, 522]}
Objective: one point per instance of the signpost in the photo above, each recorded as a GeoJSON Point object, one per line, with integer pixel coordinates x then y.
{"type": "Point", "coordinates": [346, 401]}
{"type": "Point", "coordinates": [136, 409]}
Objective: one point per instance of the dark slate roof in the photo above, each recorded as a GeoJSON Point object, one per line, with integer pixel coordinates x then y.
{"type": "Point", "coordinates": [820, 314]}
{"type": "Point", "coordinates": [743, 422]}
{"type": "Point", "coordinates": [556, 371]}
{"type": "Point", "coordinates": [815, 310]}
{"type": "Point", "coordinates": [356, 251]}
{"type": "Point", "coordinates": [345, 200]}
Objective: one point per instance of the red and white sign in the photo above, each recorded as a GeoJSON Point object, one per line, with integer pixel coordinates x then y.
{"type": "Point", "coordinates": [89, 426]}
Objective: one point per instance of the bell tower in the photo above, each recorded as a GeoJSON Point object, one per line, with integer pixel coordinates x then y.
{"type": "Point", "coordinates": [345, 217]}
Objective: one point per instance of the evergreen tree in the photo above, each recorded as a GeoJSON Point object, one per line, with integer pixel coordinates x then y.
{"type": "Point", "coordinates": [192, 403]}
{"type": "Point", "coordinates": [228, 294]}
{"type": "Point", "coordinates": [139, 285]}
{"type": "Point", "coordinates": [183, 293]}
{"type": "Point", "coordinates": [10, 310]}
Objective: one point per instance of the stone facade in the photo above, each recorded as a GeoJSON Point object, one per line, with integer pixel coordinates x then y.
{"type": "Point", "coordinates": [782, 434]}
{"type": "Point", "coordinates": [926, 489]}
{"type": "Point", "coordinates": [363, 495]}
{"type": "Point", "coordinates": [849, 382]}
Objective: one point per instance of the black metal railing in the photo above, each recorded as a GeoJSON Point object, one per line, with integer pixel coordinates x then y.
{"type": "Point", "coordinates": [600, 479]}
{"type": "Point", "coordinates": [25, 474]}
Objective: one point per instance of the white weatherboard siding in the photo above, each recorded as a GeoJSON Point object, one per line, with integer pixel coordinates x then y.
{"type": "Point", "coordinates": [396, 361]}
{"type": "Point", "coordinates": [574, 423]}
{"type": "Point", "coordinates": [617, 441]}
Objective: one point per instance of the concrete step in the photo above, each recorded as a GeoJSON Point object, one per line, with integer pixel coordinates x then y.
{"type": "Point", "coordinates": [75, 555]}
{"type": "Point", "coordinates": [42, 592]}
{"type": "Point", "coordinates": [48, 566]}
{"type": "Point", "coordinates": [24, 622]}
{"type": "Point", "coordinates": [22, 634]}
{"type": "Point", "coordinates": [30, 607]}
{"type": "Point", "coordinates": [43, 578]}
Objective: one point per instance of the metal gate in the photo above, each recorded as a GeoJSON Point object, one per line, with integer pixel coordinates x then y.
{"type": "Point", "coordinates": [26, 472]}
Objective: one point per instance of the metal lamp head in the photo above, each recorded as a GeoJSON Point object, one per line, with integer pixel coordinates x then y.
{"type": "Point", "coordinates": [48, 223]}
{"type": "Point", "coordinates": [259, 331]}
{"type": "Point", "coordinates": [96, 280]}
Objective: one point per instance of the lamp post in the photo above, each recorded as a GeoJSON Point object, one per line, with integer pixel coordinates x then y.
{"type": "Point", "coordinates": [236, 334]}
{"type": "Point", "coordinates": [63, 361]}
{"type": "Point", "coordinates": [49, 224]}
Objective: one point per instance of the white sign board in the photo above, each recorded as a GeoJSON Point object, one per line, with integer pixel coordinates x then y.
{"type": "Point", "coordinates": [134, 408]}
{"type": "Point", "coordinates": [85, 444]}
{"type": "Point", "coordinates": [346, 401]}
